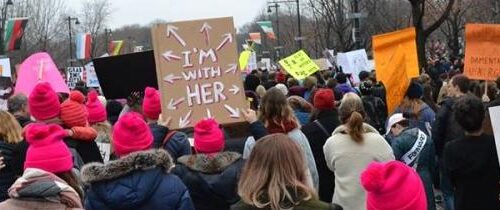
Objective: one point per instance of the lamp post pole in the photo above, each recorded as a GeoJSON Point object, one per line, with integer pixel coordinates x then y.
{"type": "Point", "coordinates": [2, 27]}
{"type": "Point", "coordinates": [69, 19]}
{"type": "Point", "coordinates": [299, 37]}
{"type": "Point", "coordinates": [107, 34]}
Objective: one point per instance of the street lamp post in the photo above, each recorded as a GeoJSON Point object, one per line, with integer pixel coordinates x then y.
{"type": "Point", "coordinates": [276, 7]}
{"type": "Point", "coordinates": [107, 33]}
{"type": "Point", "coordinates": [2, 27]}
{"type": "Point", "coordinates": [299, 25]}
{"type": "Point", "coordinates": [69, 19]}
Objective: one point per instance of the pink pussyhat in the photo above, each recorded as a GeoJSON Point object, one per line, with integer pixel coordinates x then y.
{"type": "Point", "coordinates": [151, 106]}
{"type": "Point", "coordinates": [43, 102]}
{"type": "Point", "coordinates": [208, 137]}
{"type": "Point", "coordinates": [131, 134]}
{"type": "Point", "coordinates": [97, 111]}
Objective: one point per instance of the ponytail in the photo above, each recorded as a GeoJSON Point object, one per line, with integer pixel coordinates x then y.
{"type": "Point", "coordinates": [355, 126]}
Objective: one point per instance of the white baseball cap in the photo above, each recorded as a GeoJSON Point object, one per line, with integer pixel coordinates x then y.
{"type": "Point", "coordinates": [394, 119]}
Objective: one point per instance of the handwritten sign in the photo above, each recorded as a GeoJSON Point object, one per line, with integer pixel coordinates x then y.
{"type": "Point", "coordinates": [482, 52]}
{"type": "Point", "coordinates": [299, 65]}
{"type": "Point", "coordinates": [396, 81]}
{"type": "Point", "coordinates": [386, 45]}
{"type": "Point", "coordinates": [197, 71]}
{"type": "Point", "coordinates": [92, 80]}
{"type": "Point", "coordinates": [75, 75]}
{"type": "Point", "coordinates": [5, 67]}
{"type": "Point", "coordinates": [353, 63]}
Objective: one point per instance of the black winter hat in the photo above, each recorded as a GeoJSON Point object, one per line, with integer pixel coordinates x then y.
{"type": "Point", "coordinates": [415, 91]}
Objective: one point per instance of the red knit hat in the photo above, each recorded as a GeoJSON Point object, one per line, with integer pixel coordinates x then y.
{"type": "Point", "coordinates": [393, 186]}
{"type": "Point", "coordinates": [97, 111]}
{"type": "Point", "coordinates": [208, 137]}
{"type": "Point", "coordinates": [43, 102]}
{"type": "Point", "coordinates": [324, 99]}
{"type": "Point", "coordinates": [73, 112]}
{"type": "Point", "coordinates": [131, 134]}
{"type": "Point", "coordinates": [151, 106]}
{"type": "Point", "coordinates": [46, 150]}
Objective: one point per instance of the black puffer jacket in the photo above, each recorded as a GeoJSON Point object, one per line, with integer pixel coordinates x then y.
{"type": "Point", "coordinates": [212, 182]}
{"type": "Point", "coordinates": [7, 174]}
{"type": "Point", "coordinates": [445, 127]}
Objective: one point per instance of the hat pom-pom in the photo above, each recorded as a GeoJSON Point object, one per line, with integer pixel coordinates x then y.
{"type": "Point", "coordinates": [149, 92]}
{"type": "Point", "coordinates": [206, 125]}
{"type": "Point", "coordinates": [77, 96]}
{"type": "Point", "coordinates": [372, 178]}
{"type": "Point", "coordinates": [92, 96]}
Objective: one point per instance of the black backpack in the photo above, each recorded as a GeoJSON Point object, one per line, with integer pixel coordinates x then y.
{"type": "Point", "coordinates": [376, 112]}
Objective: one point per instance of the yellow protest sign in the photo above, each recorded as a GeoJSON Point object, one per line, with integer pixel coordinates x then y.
{"type": "Point", "coordinates": [482, 52]}
{"type": "Point", "coordinates": [396, 81]}
{"type": "Point", "coordinates": [385, 47]}
{"type": "Point", "coordinates": [299, 65]}
{"type": "Point", "coordinates": [243, 60]}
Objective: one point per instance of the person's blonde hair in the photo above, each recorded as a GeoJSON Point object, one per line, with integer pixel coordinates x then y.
{"type": "Point", "coordinates": [275, 175]}
{"type": "Point", "coordinates": [10, 130]}
{"type": "Point", "coordinates": [352, 115]}
{"type": "Point", "coordinates": [261, 91]}
{"type": "Point", "coordinates": [274, 108]}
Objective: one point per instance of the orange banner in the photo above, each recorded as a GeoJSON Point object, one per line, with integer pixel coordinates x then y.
{"type": "Point", "coordinates": [384, 51]}
{"type": "Point", "coordinates": [482, 52]}
{"type": "Point", "coordinates": [398, 82]}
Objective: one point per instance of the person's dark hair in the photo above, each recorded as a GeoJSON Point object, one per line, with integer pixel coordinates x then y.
{"type": "Point", "coordinates": [251, 82]}
{"type": "Point", "coordinates": [462, 82]}
{"type": "Point", "coordinates": [366, 88]}
{"type": "Point", "coordinates": [363, 75]}
{"type": "Point", "coordinates": [331, 83]}
{"type": "Point", "coordinates": [82, 87]}
{"type": "Point", "coordinates": [17, 102]}
{"type": "Point", "coordinates": [341, 78]}
{"type": "Point", "coordinates": [404, 123]}
{"type": "Point", "coordinates": [292, 82]}
{"type": "Point", "coordinates": [70, 178]}
{"type": "Point", "coordinates": [469, 113]}
{"type": "Point", "coordinates": [113, 109]}
{"type": "Point", "coordinates": [272, 76]}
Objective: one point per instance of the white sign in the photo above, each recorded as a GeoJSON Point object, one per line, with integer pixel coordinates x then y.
{"type": "Point", "coordinates": [353, 62]}
{"type": "Point", "coordinates": [92, 80]}
{"type": "Point", "coordinates": [105, 149]}
{"type": "Point", "coordinates": [495, 123]}
{"type": "Point", "coordinates": [74, 75]}
{"type": "Point", "coordinates": [5, 67]}
{"type": "Point", "coordinates": [252, 63]}
{"type": "Point", "coordinates": [266, 62]}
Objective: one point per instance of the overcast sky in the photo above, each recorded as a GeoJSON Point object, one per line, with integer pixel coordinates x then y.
{"type": "Point", "coordinates": [126, 12]}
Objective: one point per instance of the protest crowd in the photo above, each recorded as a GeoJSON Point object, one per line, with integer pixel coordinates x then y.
{"type": "Point", "coordinates": [328, 140]}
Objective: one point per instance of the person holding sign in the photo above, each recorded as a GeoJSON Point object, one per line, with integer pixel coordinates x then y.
{"type": "Point", "coordinates": [472, 160]}
{"type": "Point", "coordinates": [415, 149]}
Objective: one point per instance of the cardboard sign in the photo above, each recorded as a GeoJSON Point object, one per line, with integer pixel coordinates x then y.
{"type": "Point", "coordinates": [386, 45]}
{"type": "Point", "coordinates": [92, 80]}
{"type": "Point", "coordinates": [121, 75]}
{"type": "Point", "coordinates": [5, 67]}
{"type": "Point", "coordinates": [105, 149]}
{"type": "Point", "coordinates": [482, 52]}
{"type": "Point", "coordinates": [353, 63]}
{"type": "Point", "coordinates": [396, 81]}
{"type": "Point", "coordinates": [299, 65]}
{"type": "Point", "coordinates": [39, 67]}
{"type": "Point", "coordinates": [74, 75]}
{"type": "Point", "coordinates": [197, 68]}
{"type": "Point", "coordinates": [323, 63]}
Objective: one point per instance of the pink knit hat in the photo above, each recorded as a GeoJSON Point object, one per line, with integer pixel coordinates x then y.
{"type": "Point", "coordinates": [46, 150]}
{"type": "Point", "coordinates": [393, 186]}
{"type": "Point", "coordinates": [43, 102]}
{"type": "Point", "coordinates": [208, 137]}
{"type": "Point", "coordinates": [151, 106]}
{"type": "Point", "coordinates": [131, 134]}
{"type": "Point", "coordinates": [97, 112]}
{"type": "Point", "coordinates": [73, 112]}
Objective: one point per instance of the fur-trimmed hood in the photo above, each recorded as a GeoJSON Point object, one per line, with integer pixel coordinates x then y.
{"type": "Point", "coordinates": [143, 160]}
{"type": "Point", "coordinates": [208, 164]}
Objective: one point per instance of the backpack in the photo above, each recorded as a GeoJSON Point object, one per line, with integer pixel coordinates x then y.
{"type": "Point", "coordinates": [176, 150]}
{"type": "Point", "coordinates": [376, 112]}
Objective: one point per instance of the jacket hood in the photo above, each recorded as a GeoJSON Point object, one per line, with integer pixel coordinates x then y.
{"type": "Point", "coordinates": [366, 127]}
{"type": "Point", "coordinates": [143, 160]}
{"type": "Point", "coordinates": [209, 165]}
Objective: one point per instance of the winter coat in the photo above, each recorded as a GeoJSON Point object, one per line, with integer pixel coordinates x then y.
{"type": "Point", "coordinates": [347, 159]}
{"type": "Point", "coordinates": [472, 164]}
{"type": "Point", "coordinates": [41, 190]}
{"type": "Point", "coordinates": [258, 130]}
{"type": "Point", "coordinates": [344, 88]}
{"type": "Point", "coordinates": [23, 121]}
{"type": "Point", "coordinates": [303, 117]}
{"type": "Point", "coordinates": [177, 146]}
{"type": "Point", "coordinates": [212, 181]}
{"type": "Point", "coordinates": [138, 181]}
{"type": "Point", "coordinates": [426, 161]}
{"type": "Point", "coordinates": [423, 119]}
{"type": "Point", "coordinates": [88, 150]}
{"type": "Point", "coordinates": [7, 175]}
{"type": "Point", "coordinates": [317, 138]}
{"type": "Point", "coordinates": [445, 128]}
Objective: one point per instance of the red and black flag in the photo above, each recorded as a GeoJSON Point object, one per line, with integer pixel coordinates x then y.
{"type": "Point", "coordinates": [14, 32]}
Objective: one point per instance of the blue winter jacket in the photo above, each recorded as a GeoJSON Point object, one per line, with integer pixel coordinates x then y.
{"type": "Point", "coordinates": [139, 181]}
{"type": "Point", "coordinates": [177, 146]}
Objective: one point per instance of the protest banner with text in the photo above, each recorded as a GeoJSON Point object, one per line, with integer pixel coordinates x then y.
{"type": "Point", "coordinates": [482, 52]}
{"type": "Point", "coordinates": [299, 65]}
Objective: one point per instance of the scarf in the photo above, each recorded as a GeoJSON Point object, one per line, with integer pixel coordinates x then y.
{"type": "Point", "coordinates": [288, 126]}
{"type": "Point", "coordinates": [36, 184]}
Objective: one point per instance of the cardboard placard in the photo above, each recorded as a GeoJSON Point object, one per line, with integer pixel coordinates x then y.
{"type": "Point", "coordinates": [386, 45]}
{"type": "Point", "coordinates": [91, 76]}
{"type": "Point", "coordinates": [121, 75]}
{"type": "Point", "coordinates": [396, 81]}
{"type": "Point", "coordinates": [482, 52]}
{"type": "Point", "coordinates": [197, 71]}
{"type": "Point", "coordinates": [299, 65]}
{"type": "Point", "coordinates": [323, 64]}
{"type": "Point", "coordinates": [5, 67]}
{"type": "Point", "coordinates": [74, 75]}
